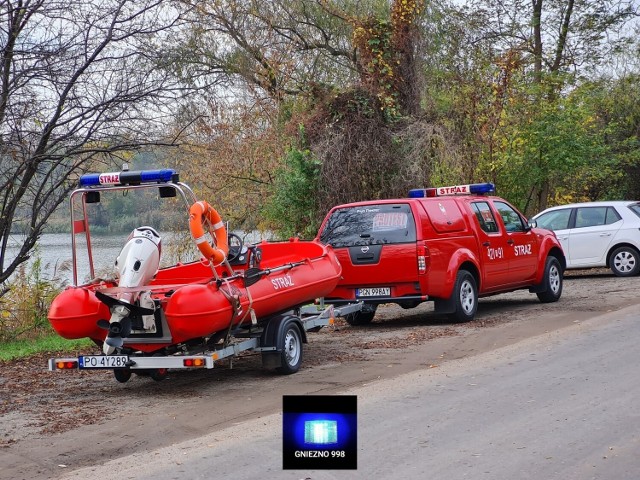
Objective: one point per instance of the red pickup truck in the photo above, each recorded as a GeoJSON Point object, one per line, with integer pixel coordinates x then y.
{"type": "Point", "coordinates": [451, 245]}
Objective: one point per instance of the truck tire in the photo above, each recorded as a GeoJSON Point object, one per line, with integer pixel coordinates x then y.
{"type": "Point", "coordinates": [291, 354]}
{"type": "Point", "coordinates": [552, 281]}
{"type": "Point", "coordinates": [363, 317]}
{"type": "Point", "coordinates": [624, 262]}
{"type": "Point", "coordinates": [465, 297]}
{"type": "Point", "coordinates": [159, 374]}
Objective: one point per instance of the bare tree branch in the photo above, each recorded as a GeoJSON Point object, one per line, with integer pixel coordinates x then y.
{"type": "Point", "coordinates": [78, 84]}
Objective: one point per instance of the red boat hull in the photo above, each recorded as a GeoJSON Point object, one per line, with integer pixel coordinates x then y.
{"type": "Point", "coordinates": [196, 306]}
{"type": "Point", "coordinates": [75, 313]}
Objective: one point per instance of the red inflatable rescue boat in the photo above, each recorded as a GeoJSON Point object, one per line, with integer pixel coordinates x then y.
{"type": "Point", "coordinates": [146, 309]}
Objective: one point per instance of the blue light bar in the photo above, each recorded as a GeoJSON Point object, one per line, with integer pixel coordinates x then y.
{"type": "Point", "coordinates": [129, 177]}
{"type": "Point", "coordinates": [473, 189]}
{"type": "Point", "coordinates": [418, 193]}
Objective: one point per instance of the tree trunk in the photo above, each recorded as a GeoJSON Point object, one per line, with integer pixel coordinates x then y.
{"type": "Point", "coordinates": [536, 23]}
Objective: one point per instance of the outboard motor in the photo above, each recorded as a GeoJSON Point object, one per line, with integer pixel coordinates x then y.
{"type": "Point", "coordinates": [139, 259]}
{"type": "Point", "coordinates": [136, 266]}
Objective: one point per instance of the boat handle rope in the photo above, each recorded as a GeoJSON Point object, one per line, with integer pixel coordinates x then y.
{"type": "Point", "coordinates": [236, 304]}
{"type": "Point", "coordinates": [145, 288]}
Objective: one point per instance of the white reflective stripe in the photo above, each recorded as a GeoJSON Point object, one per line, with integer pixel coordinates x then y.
{"type": "Point", "coordinates": [200, 240]}
{"type": "Point", "coordinates": [218, 225]}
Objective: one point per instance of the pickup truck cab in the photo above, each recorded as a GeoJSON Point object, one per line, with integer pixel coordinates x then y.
{"type": "Point", "coordinates": [451, 245]}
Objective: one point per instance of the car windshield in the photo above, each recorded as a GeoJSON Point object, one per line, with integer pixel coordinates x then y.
{"type": "Point", "coordinates": [370, 225]}
{"type": "Point", "coordinates": [635, 208]}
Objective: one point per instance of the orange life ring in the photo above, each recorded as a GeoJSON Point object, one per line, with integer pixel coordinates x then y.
{"type": "Point", "coordinates": [199, 212]}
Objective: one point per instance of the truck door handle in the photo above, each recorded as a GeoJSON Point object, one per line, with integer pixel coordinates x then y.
{"type": "Point", "coordinates": [486, 244]}
{"type": "Point", "coordinates": [510, 241]}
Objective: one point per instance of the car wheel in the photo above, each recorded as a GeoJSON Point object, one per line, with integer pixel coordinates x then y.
{"type": "Point", "coordinates": [552, 281]}
{"type": "Point", "coordinates": [465, 297]}
{"type": "Point", "coordinates": [363, 317]}
{"type": "Point", "coordinates": [625, 262]}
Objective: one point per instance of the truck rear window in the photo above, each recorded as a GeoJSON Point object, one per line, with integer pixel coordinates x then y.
{"type": "Point", "coordinates": [370, 225]}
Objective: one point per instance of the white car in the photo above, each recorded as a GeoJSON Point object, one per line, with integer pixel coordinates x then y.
{"type": "Point", "coordinates": [597, 234]}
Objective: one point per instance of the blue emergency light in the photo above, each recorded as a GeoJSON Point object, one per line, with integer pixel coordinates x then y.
{"type": "Point", "coordinates": [473, 189]}
{"type": "Point", "coordinates": [321, 432]}
{"type": "Point", "coordinates": [129, 177]}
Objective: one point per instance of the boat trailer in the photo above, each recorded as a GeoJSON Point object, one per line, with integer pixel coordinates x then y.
{"type": "Point", "coordinates": [279, 339]}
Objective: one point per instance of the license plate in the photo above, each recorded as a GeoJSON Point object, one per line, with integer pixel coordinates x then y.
{"type": "Point", "coordinates": [373, 292]}
{"type": "Point", "coordinates": [103, 361]}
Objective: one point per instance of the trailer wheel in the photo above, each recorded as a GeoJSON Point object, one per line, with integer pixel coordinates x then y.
{"type": "Point", "coordinates": [291, 354]}
{"type": "Point", "coordinates": [122, 374]}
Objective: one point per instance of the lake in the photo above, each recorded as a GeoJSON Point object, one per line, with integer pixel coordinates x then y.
{"type": "Point", "coordinates": [54, 250]}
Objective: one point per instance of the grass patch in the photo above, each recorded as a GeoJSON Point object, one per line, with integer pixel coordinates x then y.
{"type": "Point", "coordinates": [46, 343]}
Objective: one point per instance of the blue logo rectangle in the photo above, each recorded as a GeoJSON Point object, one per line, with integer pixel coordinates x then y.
{"type": "Point", "coordinates": [320, 432]}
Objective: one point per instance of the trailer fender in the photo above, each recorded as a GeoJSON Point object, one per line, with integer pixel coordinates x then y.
{"type": "Point", "coordinates": [273, 336]}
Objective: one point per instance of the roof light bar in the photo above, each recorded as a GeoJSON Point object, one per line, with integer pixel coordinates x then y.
{"type": "Point", "coordinates": [129, 177]}
{"type": "Point", "coordinates": [473, 189]}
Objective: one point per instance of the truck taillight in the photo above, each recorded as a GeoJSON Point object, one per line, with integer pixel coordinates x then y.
{"type": "Point", "coordinates": [423, 257]}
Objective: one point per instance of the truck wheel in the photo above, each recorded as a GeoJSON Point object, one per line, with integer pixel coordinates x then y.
{"type": "Point", "coordinates": [625, 262]}
{"type": "Point", "coordinates": [122, 375]}
{"type": "Point", "coordinates": [291, 354]}
{"type": "Point", "coordinates": [159, 374]}
{"type": "Point", "coordinates": [465, 297]}
{"type": "Point", "coordinates": [363, 317]}
{"type": "Point", "coordinates": [552, 281]}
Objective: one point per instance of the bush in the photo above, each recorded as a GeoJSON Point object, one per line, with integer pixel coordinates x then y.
{"type": "Point", "coordinates": [25, 301]}
{"type": "Point", "coordinates": [292, 210]}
